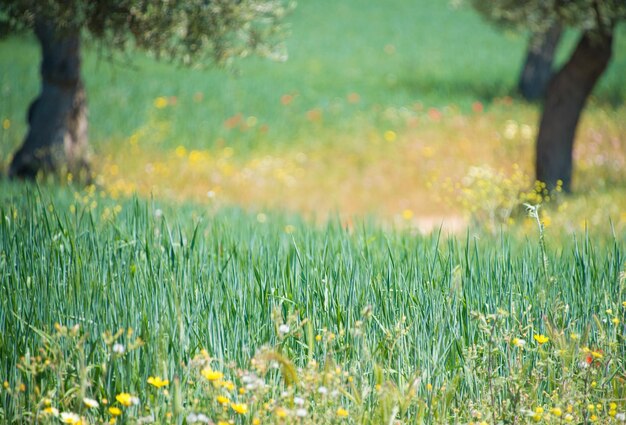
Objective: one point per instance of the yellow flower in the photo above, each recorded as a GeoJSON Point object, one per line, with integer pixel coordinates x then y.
{"type": "Point", "coordinates": [518, 342]}
{"type": "Point", "coordinates": [115, 411]}
{"type": "Point", "coordinates": [556, 412]}
{"type": "Point", "coordinates": [70, 418]}
{"type": "Point", "coordinates": [342, 413]}
{"type": "Point", "coordinates": [240, 408]}
{"type": "Point", "coordinates": [615, 321]}
{"type": "Point", "coordinates": [593, 418]}
{"type": "Point", "coordinates": [539, 409]}
{"type": "Point", "coordinates": [390, 135]}
{"type": "Point", "coordinates": [612, 406]}
{"type": "Point", "coordinates": [51, 411]}
{"type": "Point", "coordinates": [228, 385]}
{"type": "Point", "coordinates": [222, 400]}
{"type": "Point", "coordinates": [125, 399]}
{"type": "Point", "coordinates": [541, 339]}
{"type": "Point", "coordinates": [256, 421]}
{"type": "Point", "coordinates": [281, 413]}
{"type": "Point", "coordinates": [160, 102]}
{"type": "Point", "coordinates": [222, 423]}
{"type": "Point", "coordinates": [211, 374]}
{"type": "Point", "coordinates": [157, 382]}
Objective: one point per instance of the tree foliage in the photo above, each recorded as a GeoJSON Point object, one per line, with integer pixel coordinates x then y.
{"type": "Point", "coordinates": [190, 31]}
{"type": "Point", "coordinates": [539, 15]}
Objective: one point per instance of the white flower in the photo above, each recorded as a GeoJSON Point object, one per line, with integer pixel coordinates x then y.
{"type": "Point", "coordinates": [298, 401]}
{"type": "Point", "coordinates": [283, 329]}
{"type": "Point", "coordinates": [90, 402]}
{"type": "Point", "coordinates": [70, 418]}
{"type": "Point", "coordinates": [192, 418]}
{"type": "Point", "coordinates": [301, 413]}
{"type": "Point", "coordinates": [519, 342]}
{"type": "Point", "coordinates": [620, 417]}
{"type": "Point", "coordinates": [134, 400]}
{"type": "Point", "coordinates": [322, 390]}
{"type": "Point", "coordinates": [118, 348]}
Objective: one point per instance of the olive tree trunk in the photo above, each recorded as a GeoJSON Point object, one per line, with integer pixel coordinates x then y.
{"type": "Point", "coordinates": [56, 140]}
{"type": "Point", "coordinates": [537, 69]}
{"type": "Point", "coordinates": [565, 99]}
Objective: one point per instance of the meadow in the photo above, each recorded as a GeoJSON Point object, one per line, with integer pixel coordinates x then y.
{"type": "Point", "coordinates": [337, 238]}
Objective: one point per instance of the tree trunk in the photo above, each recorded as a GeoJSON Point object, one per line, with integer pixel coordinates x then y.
{"type": "Point", "coordinates": [537, 69]}
{"type": "Point", "coordinates": [565, 99]}
{"type": "Point", "coordinates": [57, 135]}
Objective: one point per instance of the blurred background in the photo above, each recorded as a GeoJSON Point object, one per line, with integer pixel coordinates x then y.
{"type": "Point", "coordinates": [403, 110]}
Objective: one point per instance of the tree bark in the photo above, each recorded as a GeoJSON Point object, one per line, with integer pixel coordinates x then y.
{"type": "Point", "coordinates": [537, 69]}
{"type": "Point", "coordinates": [565, 99]}
{"type": "Point", "coordinates": [56, 140]}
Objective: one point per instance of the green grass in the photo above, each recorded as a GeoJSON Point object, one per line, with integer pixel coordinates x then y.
{"type": "Point", "coordinates": [191, 279]}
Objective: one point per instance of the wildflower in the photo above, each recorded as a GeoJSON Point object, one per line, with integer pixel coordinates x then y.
{"type": "Point", "coordinates": [211, 374]}
{"type": "Point", "coordinates": [222, 400]}
{"type": "Point", "coordinates": [281, 413]}
{"type": "Point", "coordinates": [240, 408]}
{"type": "Point", "coordinates": [322, 390]}
{"type": "Point", "coordinates": [157, 382]}
{"type": "Point", "coordinates": [568, 418]}
{"type": "Point", "coordinates": [118, 349]}
{"type": "Point", "coordinates": [125, 399]}
{"type": "Point", "coordinates": [90, 402]}
{"type": "Point", "coordinates": [620, 417]}
{"type": "Point", "coordinates": [612, 406]}
{"type": "Point", "coordinates": [298, 401]}
{"type": "Point", "coordinates": [390, 135]}
{"type": "Point", "coordinates": [342, 413]}
{"type": "Point", "coordinates": [593, 418]}
{"type": "Point", "coordinates": [160, 102]}
{"type": "Point", "coordinates": [283, 329]}
{"type": "Point", "coordinates": [541, 339]}
{"type": "Point", "coordinates": [199, 417]}
{"type": "Point", "coordinates": [115, 411]}
{"type": "Point", "coordinates": [615, 321]}
{"type": "Point", "coordinates": [70, 418]}
{"type": "Point", "coordinates": [51, 411]}
{"type": "Point", "coordinates": [318, 338]}
{"type": "Point", "coordinates": [556, 412]}
{"type": "Point", "coordinates": [518, 342]}
{"type": "Point", "coordinates": [301, 412]}
{"type": "Point", "coordinates": [256, 421]}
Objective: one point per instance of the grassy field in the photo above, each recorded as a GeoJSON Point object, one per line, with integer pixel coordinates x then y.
{"type": "Point", "coordinates": [339, 238]}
